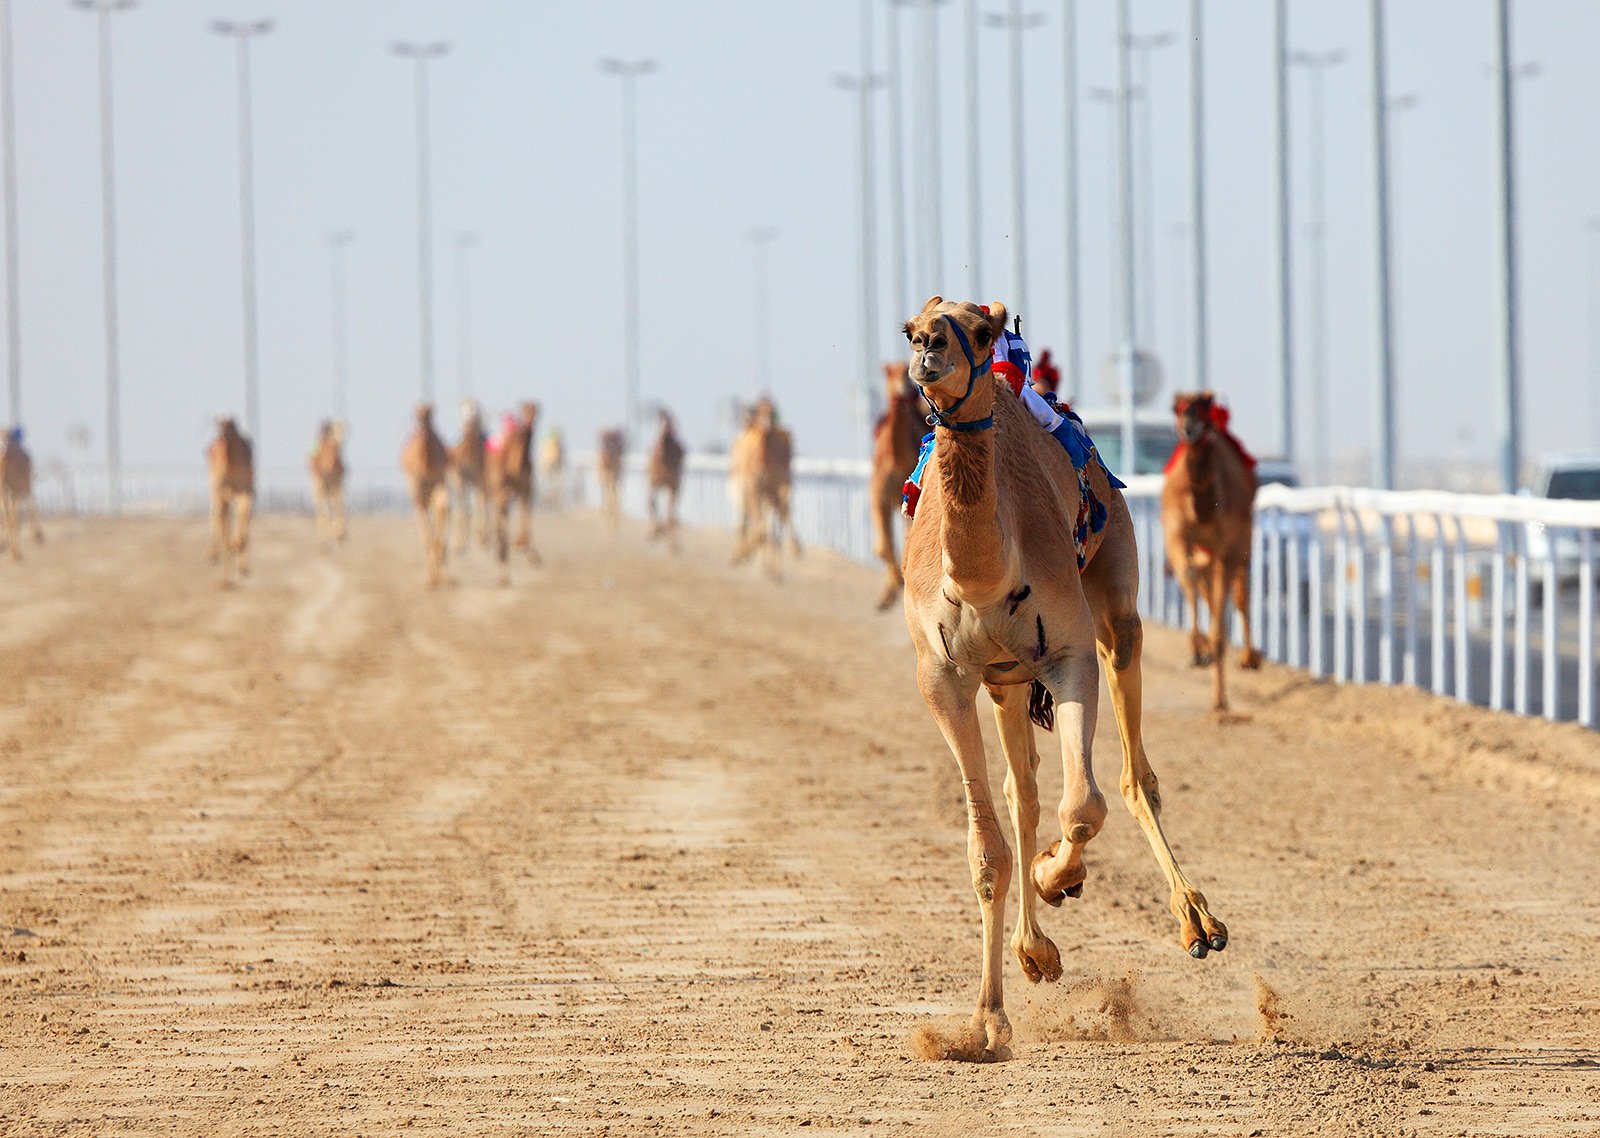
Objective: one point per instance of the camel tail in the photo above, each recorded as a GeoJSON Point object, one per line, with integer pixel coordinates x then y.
{"type": "Point", "coordinates": [1042, 706]}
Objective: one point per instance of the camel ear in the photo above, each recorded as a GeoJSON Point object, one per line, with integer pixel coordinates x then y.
{"type": "Point", "coordinates": [996, 321]}
{"type": "Point", "coordinates": [933, 302]}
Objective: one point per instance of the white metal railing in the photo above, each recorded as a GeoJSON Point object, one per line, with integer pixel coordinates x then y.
{"type": "Point", "coordinates": [1489, 599]}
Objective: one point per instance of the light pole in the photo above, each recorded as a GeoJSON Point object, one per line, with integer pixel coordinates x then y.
{"type": "Point", "coordinates": [928, 178]}
{"type": "Point", "coordinates": [421, 53]}
{"type": "Point", "coordinates": [1383, 464]}
{"type": "Point", "coordinates": [1112, 101]}
{"type": "Point", "coordinates": [1397, 104]}
{"type": "Point", "coordinates": [463, 242]}
{"type": "Point", "coordinates": [108, 229]}
{"type": "Point", "coordinates": [1144, 201]}
{"type": "Point", "coordinates": [1016, 23]}
{"type": "Point", "coordinates": [1129, 305]}
{"type": "Point", "coordinates": [1197, 191]}
{"type": "Point", "coordinates": [1316, 64]}
{"type": "Point", "coordinates": [862, 86]}
{"type": "Point", "coordinates": [629, 72]}
{"type": "Point", "coordinates": [1511, 374]}
{"type": "Point", "coordinates": [242, 34]}
{"type": "Point", "coordinates": [760, 238]}
{"type": "Point", "coordinates": [1593, 288]}
{"type": "Point", "coordinates": [8, 143]}
{"type": "Point", "coordinates": [337, 242]}
{"type": "Point", "coordinates": [1280, 75]}
{"type": "Point", "coordinates": [900, 297]}
{"type": "Point", "coordinates": [974, 157]}
{"type": "Point", "coordinates": [1073, 346]}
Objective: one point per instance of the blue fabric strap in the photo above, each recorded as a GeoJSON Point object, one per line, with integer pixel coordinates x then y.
{"type": "Point", "coordinates": [974, 370]}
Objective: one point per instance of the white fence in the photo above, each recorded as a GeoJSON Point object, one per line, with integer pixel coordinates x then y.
{"type": "Point", "coordinates": [1488, 599]}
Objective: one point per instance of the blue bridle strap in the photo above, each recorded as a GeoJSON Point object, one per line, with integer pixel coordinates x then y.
{"type": "Point", "coordinates": [974, 370]}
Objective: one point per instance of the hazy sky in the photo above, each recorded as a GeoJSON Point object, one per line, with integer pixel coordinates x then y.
{"type": "Point", "coordinates": [742, 126]}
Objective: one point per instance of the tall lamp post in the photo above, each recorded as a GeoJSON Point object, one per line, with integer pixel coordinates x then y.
{"type": "Point", "coordinates": [1072, 348]}
{"type": "Point", "coordinates": [629, 71]}
{"type": "Point", "coordinates": [1197, 191]}
{"type": "Point", "coordinates": [1015, 22]}
{"type": "Point", "coordinates": [1129, 303]}
{"type": "Point", "coordinates": [1592, 284]}
{"type": "Point", "coordinates": [1316, 64]}
{"type": "Point", "coordinates": [337, 242]}
{"type": "Point", "coordinates": [1280, 75]}
{"type": "Point", "coordinates": [242, 33]}
{"type": "Point", "coordinates": [421, 54]}
{"type": "Point", "coordinates": [1506, 73]}
{"type": "Point", "coordinates": [927, 137]}
{"type": "Point", "coordinates": [1144, 202]}
{"type": "Point", "coordinates": [760, 238]}
{"type": "Point", "coordinates": [862, 86]}
{"type": "Point", "coordinates": [108, 215]}
{"type": "Point", "coordinates": [8, 143]}
{"type": "Point", "coordinates": [464, 243]}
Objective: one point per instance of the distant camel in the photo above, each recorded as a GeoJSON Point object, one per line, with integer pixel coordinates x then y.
{"type": "Point", "coordinates": [233, 494]}
{"type": "Point", "coordinates": [16, 492]}
{"type": "Point", "coordinates": [510, 479]}
{"type": "Point", "coordinates": [609, 464]}
{"type": "Point", "coordinates": [327, 483]}
{"type": "Point", "coordinates": [896, 441]}
{"type": "Point", "coordinates": [761, 466]}
{"type": "Point", "coordinates": [666, 475]}
{"type": "Point", "coordinates": [425, 462]}
{"type": "Point", "coordinates": [469, 478]}
{"type": "Point", "coordinates": [1207, 510]}
{"type": "Point", "coordinates": [553, 461]}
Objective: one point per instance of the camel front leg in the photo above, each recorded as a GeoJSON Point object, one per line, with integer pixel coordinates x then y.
{"type": "Point", "coordinates": [1121, 646]}
{"type": "Point", "coordinates": [13, 527]}
{"type": "Point", "coordinates": [1217, 598]}
{"type": "Point", "coordinates": [420, 507]}
{"type": "Point", "coordinates": [244, 506]}
{"type": "Point", "coordinates": [950, 696]}
{"type": "Point", "coordinates": [336, 498]}
{"type": "Point", "coordinates": [1251, 657]}
{"type": "Point", "coordinates": [1072, 676]}
{"type": "Point", "coordinates": [672, 519]}
{"type": "Point", "coordinates": [439, 509]}
{"type": "Point", "coordinates": [1037, 953]}
{"type": "Point", "coordinates": [33, 516]}
{"type": "Point", "coordinates": [1180, 558]}
{"type": "Point", "coordinates": [525, 537]}
{"type": "Point", "coordinates": [500, 520]}
{"type": "Point", "coordinates": [221, 546]}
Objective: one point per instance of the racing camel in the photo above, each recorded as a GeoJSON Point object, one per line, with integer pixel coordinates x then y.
{"type": "Point", "coordinates": [327, 483]}
{"type": "Point", "coordinates": [895, 442]}
{"type": "Point", "coordinates": [425, 462]}
{"type": "Point", "coordinates": [233, 493]}
{"type": "Point", "coordinates": [665, 476]}
{"type": "Point", "coordinates": [469, 478]}
{"type": "Point", "coordinates": [510, 479]}
{"type": "Point", "coordinates": [1207, 510]}
{"type": "Point", "coordinates": [16, 493]}
{"type": "Point", "coordinates": [995, 598]}
{"type": "Point", "coordinates": [761, 465]}
{"type": "Point", "coordinates": [608, 464]}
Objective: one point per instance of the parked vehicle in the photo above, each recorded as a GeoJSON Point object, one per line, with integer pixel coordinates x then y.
{"type": "Point", "coordinates": [1155, 438]}
{"type": "Point", "coordinates": [1575, 476]}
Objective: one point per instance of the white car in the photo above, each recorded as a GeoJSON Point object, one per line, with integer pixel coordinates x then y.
{"type": "Point", "coordinates": [1562, 476]}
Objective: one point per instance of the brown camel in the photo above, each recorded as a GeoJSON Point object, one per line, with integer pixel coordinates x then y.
{"type": "Point", "coordinates": [895, 442]}
{"type": "Point", "coordinates": [327, 483]}
{"type": "Point", "coordinates": [665, 476]}
{"type": "Point", "coordinates": [426, 462]}
{"type": "Point", "coordinates": [16, 493]}
{"type": "Point", "coordinates": [761, 463]}
{"type": "Point", "coordinates": [995, 598]}
{"type": "Point", "coordinates": [1207, 510]}
{"type": "Point", "coordinates": [469, 478]}
{"type": "Point", "coordinates": [609, 466]}
{"type": "Point", "coordinates": [553, 458]}
{"type": "Point", "coordinates": [510, 471]}
{"type": "Point", "coordinates": [233, 494]}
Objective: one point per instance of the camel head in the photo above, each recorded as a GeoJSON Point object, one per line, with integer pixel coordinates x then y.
{"type": "Point", "coordinates": [1196, 412]}
{"type": "Point", "coordinates": [227, 428]}
{"type": "Point", "coordinates": [764, 416]}
{"type": "Point", "coordinates": [951, 345]}
{"type": "Point", "coordinates": [530, 414]}
{"type": "Point", "coordinates": [470, 412]}
{"type": "Point", "coordinates": [424, 415]}
{"type": "Point", "coordinates": [897, 381]}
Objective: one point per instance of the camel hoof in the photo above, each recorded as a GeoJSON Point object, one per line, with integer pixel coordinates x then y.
{"type": "Point", "coordinates": [1251, 660]}
{"type": "Point", "coordinates": [1054, 892]}
{"type": "Point", "coordinates": [886, 602]}
{"type": "Point", "coordinates": [1075, 890]}
{"type": "Point", "coordinates": [1201, 660]}
{"type": "Point", "coordinates": [1042, 963]}
{"type": "Point", "coordinates": [1198, 950]}
{"type": "Point", "coordinates": [1218, 942]}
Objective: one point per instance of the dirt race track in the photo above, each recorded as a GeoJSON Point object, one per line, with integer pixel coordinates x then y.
{"type": "Point", "coordinates": [644, 844]}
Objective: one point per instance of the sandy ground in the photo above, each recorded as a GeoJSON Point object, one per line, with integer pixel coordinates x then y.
{"type": "Point", "coordinates": [648, 844]}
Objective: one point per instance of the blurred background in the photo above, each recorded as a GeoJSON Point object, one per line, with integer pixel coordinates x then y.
{"type": "Point", "coordinates": [747, 137]}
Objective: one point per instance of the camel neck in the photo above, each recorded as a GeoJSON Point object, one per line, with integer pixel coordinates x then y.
{"type": "Point", "coordinates": [970, 533]}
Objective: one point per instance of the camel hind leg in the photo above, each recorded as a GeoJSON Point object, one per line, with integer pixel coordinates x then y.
{"type": "Point", "coordinates": [243, 508]}
{"type": "Point", "coordinates": [439, 524]}
{"type": "Point", "coordinates": [1251, 656]}
{"type": "Point", "coordinates": [221, 551]}
{"type": "Point", "coordinates": [525, 534]}
{"type": "Point", "coordinates": [1112, 584]}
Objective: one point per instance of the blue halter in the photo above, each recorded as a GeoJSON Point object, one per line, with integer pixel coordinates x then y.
{"type": "Point", "coordinates": [974, 370]}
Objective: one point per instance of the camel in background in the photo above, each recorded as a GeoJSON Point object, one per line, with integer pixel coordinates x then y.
{"type": "Point", "coordinates": [553, 462]}
{"type": "Point", "coordinates": [327, 483]}
{"type": "Point", "coordinates": [16, 493]}
{"type": "Point", "coordinates": [233, 493]}
{"type": "Point", "coordinates": [1207, 511]}
{"type": "Point", "coordinates": [469, 479]}
{"type": "Point", "coordinates": [510, 478]}
{"type": "Point", "coordinates": [896, 440]}
{"type": "Point", "coordinates": [665, 476]}
{"type": "Point", "coordinates": [995, 597]}
{"type": "Point", "coordinates": [609, 466]}
{"type": "Point", "coordinates": [425, 462]}
{"type": "Point", "coordinates": [761, 464]}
